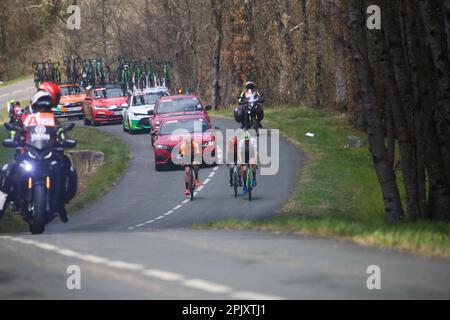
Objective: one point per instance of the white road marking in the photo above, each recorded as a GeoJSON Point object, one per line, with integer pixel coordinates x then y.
{"type": "Point", "coordinates": [195, 283]}
{"type": "Point", "coordinates": [206, 286]}
{"type": "Point", "coordinates": [47, 246]}
{"type": "Point", "coordinates": [124, 265]}
{"type": "Point", "coordinates": [93, 259]}
{"type": "Point", "coordinates": [69, 253]}
{"type": "Point", "coordinates": [179, 206]}
{"type": "Point", "coordinates": [163, 275]}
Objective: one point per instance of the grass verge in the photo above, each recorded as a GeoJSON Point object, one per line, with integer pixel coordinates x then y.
{"type": "Point", "coordinates": [9, 82]}
{"type": "Point", "coordinates": [116, 160]}
{"type": "Point", "coordinates": [337, 193]}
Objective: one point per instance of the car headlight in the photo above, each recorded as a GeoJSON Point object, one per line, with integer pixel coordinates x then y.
{"type": "Point", "coordinates": [160, 146]}
{"type": "Point", "coordinates": [158, 123]}
{"type": "Point", "coordinates": [208, 143]}
{"type": "Point", "coordinates": [124, 105]}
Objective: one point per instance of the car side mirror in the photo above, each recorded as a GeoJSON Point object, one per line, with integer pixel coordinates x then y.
{"type": "Point", "coordinates": [208, 107]}
{"type": "Point", "coordinates": [150, 112]}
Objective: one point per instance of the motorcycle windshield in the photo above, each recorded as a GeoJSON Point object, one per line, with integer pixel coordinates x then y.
{"type": "Point", "coordinates": [40, 130]}
{"type": "Point", "coordinates": [40, 137]}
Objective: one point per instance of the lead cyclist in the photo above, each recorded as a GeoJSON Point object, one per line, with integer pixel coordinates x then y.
{"type": "Point", "coordinates": [248, 154]}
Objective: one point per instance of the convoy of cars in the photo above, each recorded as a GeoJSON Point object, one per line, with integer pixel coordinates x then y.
{"type": "Point", "coordinates": [153, 110]}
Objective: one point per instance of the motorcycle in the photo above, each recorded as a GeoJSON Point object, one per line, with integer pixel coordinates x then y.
{"type": "Point", "coordinates": [39, 176]}
{"type": "Point", "coordinates": [252, 112]}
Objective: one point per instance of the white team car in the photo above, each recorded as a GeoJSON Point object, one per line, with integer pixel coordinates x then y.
{"type": "Point", "coordinates": [136, 115]}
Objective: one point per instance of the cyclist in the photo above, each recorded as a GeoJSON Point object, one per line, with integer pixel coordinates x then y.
{"type": "Point", "coordinates": [248, 154]}
{"type": "Point", "coordinates": [190, 148]}
{"type": "Point", "coordinates": [232, 154]}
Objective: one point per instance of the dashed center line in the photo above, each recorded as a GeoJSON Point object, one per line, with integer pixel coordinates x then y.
{"type": "Point", "coordinates": [162, 275]}
{"type": "Point", "coordinates": [179, 206]}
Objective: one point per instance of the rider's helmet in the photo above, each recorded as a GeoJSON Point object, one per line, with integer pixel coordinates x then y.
{"type": "Point", "coordinates": [250, 85]}
{"type": "Point", "coordinates": [16, 109]}
{"type": "Point", "coordinates": [54, 91]}
{"type": "Point", "coordinates": [246, 136]}
{"type": "Point", "coordinates": [42, 101]}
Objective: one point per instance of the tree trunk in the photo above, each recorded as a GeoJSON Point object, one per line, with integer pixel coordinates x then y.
{"type": "Point", "coordinates": [390, 51]}
{"type": "Point", "coordinates": [216, 7]}
{"type": "Point", "coordinates": [375, 130]}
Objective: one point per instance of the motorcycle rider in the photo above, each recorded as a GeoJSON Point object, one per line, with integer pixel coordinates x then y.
{"type": "Point", "coordinates": [14, 112]}
{"type": "Point", "coordinates": [250, 92]}
{"type": "Point", "coordinates": [42, 102]}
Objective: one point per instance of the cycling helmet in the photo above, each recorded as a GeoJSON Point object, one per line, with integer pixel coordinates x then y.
{"type": "Point", "coordinates": [42, 101]}
{"type": "Point", "coordinates": [246, 135]}
{"type": "Point", "coordinates": [250, 85]}
{"type": "Point", "coordinates": [54, 91]}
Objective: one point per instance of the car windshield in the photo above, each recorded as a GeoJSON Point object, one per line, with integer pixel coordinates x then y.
{"type": "Point", "coordinates": [190, 125]}
{"type": "Point", "coordinates": [65, 91]}
{"type": "Point", "coordinates": [109, 93]}
{"type": "Point", "coordinates": [179, 105]}
{"type": "Point", "coordinates": [149, 98]}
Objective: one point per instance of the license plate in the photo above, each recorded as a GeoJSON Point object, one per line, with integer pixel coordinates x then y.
{"type": "Point", "coordinates": [117, 113]}
{"type": "Point", "coordinates": [74, 109]}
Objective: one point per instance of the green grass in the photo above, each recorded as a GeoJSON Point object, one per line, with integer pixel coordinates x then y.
{"type": "Point", "coordinates": [116, 160]}
{"type": "Point", "coordinates": [338, 194]}
{"type": "Point", "coordinates": [23, 77]}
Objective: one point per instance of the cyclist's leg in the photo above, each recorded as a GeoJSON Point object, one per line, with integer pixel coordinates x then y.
{"type": "Point", "coordinates": [196, 170]}
{"type": "Point", "coordinates": [186, 176]}
{"type": "Point", "coordinates": [231, 166]}
{"type": "Point", "coordinates": [254, 174]}
{"type": "Point", "coordinates": [240, 174]}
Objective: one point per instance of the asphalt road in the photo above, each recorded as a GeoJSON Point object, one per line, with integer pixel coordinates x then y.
{"type": "Point", "coordinates": [136, 243]}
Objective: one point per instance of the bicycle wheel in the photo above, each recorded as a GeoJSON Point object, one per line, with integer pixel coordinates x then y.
{"type": "Point", "coordinates": [191, 182]}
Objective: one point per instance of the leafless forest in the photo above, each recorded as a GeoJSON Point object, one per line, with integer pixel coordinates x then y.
{"type": "Point", "coordinates": [394, 83]}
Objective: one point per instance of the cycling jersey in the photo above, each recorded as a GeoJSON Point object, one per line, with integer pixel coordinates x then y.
{"type": "Point", "coordinates": [248, 152]}
{"type": "Point", "coordinates": [232, 151]}
{"type": "Point", "coordinates": [194, 146]}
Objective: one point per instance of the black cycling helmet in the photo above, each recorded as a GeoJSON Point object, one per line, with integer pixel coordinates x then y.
{"type": "Point", "coordinates": [41, 102]}
{"type": "Point", "coordinates": [250, 85]}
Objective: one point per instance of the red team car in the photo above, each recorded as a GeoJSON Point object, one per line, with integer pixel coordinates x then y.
{"type": "Point", "coordinates": [168, 107]}
{"type": "Point", "coordinates": [104, 104]}
{"type": "Point", "coordinates": [197, 126]}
